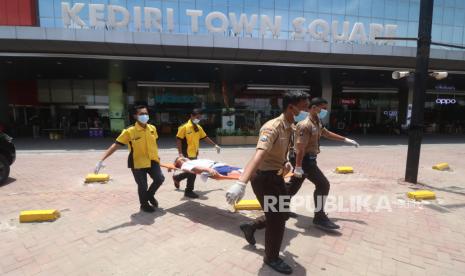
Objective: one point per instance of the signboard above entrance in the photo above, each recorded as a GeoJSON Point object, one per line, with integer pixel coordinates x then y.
{"type": "Point", "coordinates": [150, 19]}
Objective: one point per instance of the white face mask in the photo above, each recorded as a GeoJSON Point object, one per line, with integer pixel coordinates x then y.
{"type": "Point", "coordinates": [196, 121]}
{"type": "Point", "coordinates": [143, 118]}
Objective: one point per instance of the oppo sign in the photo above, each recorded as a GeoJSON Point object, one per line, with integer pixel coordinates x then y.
{"type": "Point", "coordinates": [446, 101]}
{"type": "Point", "coordinates": [218, 22]}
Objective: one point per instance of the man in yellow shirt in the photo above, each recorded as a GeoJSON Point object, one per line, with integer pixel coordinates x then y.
{"type": "Point", "coordinates": [188, 143]}
{"type": "Point", "coordinates": [143, 158]}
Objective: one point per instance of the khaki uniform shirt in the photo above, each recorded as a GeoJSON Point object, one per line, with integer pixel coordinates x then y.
{"type": "Point", "coordinates": [275, 139]}
{"type": "Point", "coordinates": [308, 132]}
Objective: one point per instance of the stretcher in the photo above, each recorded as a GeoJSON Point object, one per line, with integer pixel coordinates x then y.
{"type": "Point", "coordinates": [230, 176]}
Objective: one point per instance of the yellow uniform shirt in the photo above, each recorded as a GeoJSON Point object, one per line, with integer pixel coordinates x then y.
{"type": "Point", "coordinates": [275, 139]}
{"type": "Point", "coordinates": [142, 143]}
{"type": "Point", "coordinates": [190, 135]}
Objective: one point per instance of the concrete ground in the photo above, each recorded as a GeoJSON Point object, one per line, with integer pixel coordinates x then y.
{"type": "Point", "coordinates": [102, 232]}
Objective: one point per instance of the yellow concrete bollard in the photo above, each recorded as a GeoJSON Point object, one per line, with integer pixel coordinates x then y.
{"type": "Point", "coordinates": [421, 194]}
{"type": "Point", "coordinates": [248, 204]}
{"type": "Point", "coordinates": [38, 215]}
{"type": "Point", "coordinates": [344, 169]}
{"type": "Point", "coordinates": [101, 177]}
{"type": "Point", "coordinates": [441, 167]}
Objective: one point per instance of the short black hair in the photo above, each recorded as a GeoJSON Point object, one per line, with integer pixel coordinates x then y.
{"type": "Point", "coordinates": [294, 97]}
{"type": "Point", "coordinates": [136, 108]}
{"type": "Point", "coordinates": [318, 101]}
{"type": "Point", "coordinates": [196, 111]}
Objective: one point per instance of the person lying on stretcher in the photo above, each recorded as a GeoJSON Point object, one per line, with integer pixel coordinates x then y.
{"type": "Point", "coordinates": [206, 167]}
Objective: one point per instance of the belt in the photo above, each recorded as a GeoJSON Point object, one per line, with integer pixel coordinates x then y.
{"type": "Point", "coordinates": [310, 157]}
{"type": "Point", "coordinates": [271, 172]}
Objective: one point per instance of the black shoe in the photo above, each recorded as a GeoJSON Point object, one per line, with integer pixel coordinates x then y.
{"type": "Point", "coordinates": [191, 194]}
{"type": "Point", "coordinates": [293, 215]}
{"type": "Point", "coordinates": [321, 220]}
{"type": "Point", "coordinates": [249, 231]}
{"type": "Point", "coordinates": [279, 265]}
{"type": "Point", "coordinates": [153, 201]}
{"type": "Point", "coordinates": [176, 183]}
{"type": "Point", "coordinates": [147, 208]}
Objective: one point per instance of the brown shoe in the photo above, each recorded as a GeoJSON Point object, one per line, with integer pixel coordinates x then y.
{"type": "Point", "coordinates": [176, 183]}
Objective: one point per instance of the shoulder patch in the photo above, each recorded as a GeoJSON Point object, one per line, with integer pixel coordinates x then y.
{"type": "Point", "coordinates": [263, 138]}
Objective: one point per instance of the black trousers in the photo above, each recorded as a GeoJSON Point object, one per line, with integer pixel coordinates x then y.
{"type": "Point", "coordinates": [140, 176]}
{"type": "Point", "coordinates": [316, 176]}
{"type": "Point", "coordinates": [190, 178]}
{"type": "Point", "coordinates": [267, 184]}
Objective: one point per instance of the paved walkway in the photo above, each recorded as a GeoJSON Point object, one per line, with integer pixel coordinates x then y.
{"type": "Point", "coordinates": [102, 232]}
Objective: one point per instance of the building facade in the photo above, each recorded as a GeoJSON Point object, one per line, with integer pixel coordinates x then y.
{"type": "Point", "coordinates": [79, 66]}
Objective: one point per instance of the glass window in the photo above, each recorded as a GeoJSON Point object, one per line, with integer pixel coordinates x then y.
{"type": "Point", "coordinates": [437, 15]}
{"type": "Point", "coordinates": [390, 9]}
{"type": "Point", "coordinates": [412, 29]}
{"type": "Point", "coordinates": [352, 7]}
{"type": "Point", "coordinates": [267, 4]}
{"type": "Point", "coordinates": [153, 4]}
{"type": "Point", "coordinates": [414, 11]}
{"type": "Point", "coordinates": [402, 10]}
{"type": "Point", "coordinates": [297, 5]}
{"type": "Point", "coordinates": [459, 17]}
{"type": "Point", "coordinates": [83, 92]}
{"type": "Point", "coordinates": [47, 22]}
{"type": "Point", "coordinates": [175, 7]}
{"type": "Point", "coordinates": [458, 35]}
{"type": "Point", "coordinates": [101, 92]}
{"type": "Point", "coordinates": [435, 32]}
{"type": "Point", "coordinates": [46, 8]}
{"type": "Point", "coordinates": [448, 18]}
{"type": "Point", "coordinates": [364, 9]}
{"type": "Point", "coordinates": [338, 6]}
{"type": "Point", "coordinates": [282, 4]}
{"type": "Point", "coordinates": [377, 9]}
{"type": "Point", "coordinates": [450, 3]}
{"type": "Point", "coordinates": [220, 3]}
{"type": "Point", "coordinates": [201, 4]}
{"type": "Point", "coordinates": [324, 6]}
{"type": "Point", "coordinates": [61, 91]}
{"type": "Point", "coordinates": [43, 91]}
{"type": "Point", "coordinates": [447, 33]}
{"type": "Point", "coordinates": [311, 5]}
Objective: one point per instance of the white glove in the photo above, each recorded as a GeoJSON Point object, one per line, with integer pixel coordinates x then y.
{"type": "Point", "coordinates": [235, 192]}
{"type": "Point", "coordinates": [352, 142]}
{"type": "Point", "coordinates": [288, 166]}
{"type": "Point", "coordinates": [298, 172]}
{"type": "Point", "coordinates": [218, 149]}
{"type": "Point", "coordinates": [204, 177]}
{"type": "Point", "coordinates": [99, 166]}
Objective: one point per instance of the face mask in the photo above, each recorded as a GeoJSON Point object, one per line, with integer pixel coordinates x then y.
{"type": "Point", "coordinates": [323, 113]}
{"type": "Point", "coordinates": [301, 116]}
{"type": "Point", "coordinates": [196, 121]}
{"type": "Point", "coordinates": [143, 118]}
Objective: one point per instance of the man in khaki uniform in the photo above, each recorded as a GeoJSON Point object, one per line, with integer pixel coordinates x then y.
{"type": "Point", "coordinates": [266, 170]}
{"type": "Point", "coordinates": [307, 146]}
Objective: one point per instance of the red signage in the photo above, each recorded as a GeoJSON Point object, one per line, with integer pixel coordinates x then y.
{"type": "Point", "coordinates": [18, 13]}
{"type": "Point", "coordinates": [348, 101]}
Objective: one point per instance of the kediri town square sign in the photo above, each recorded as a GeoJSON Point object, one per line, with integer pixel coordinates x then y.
{"type": "Point", "coordinates": [218, 22]}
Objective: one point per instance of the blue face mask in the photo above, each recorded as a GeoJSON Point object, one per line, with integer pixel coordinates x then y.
{"type": "Point", "coordinates": [301, 116]}
{"type": "Point", "coordinates": [143, 118]}
{"type": "Point", "coordinates": [323, 113]}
